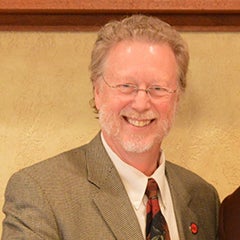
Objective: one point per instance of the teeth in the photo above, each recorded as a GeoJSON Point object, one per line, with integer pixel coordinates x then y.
{"type": "Point", "coordinates": [138, 123]}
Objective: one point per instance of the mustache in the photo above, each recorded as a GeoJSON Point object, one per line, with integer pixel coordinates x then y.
{"type": "Point", "coordinates": [134, 114]}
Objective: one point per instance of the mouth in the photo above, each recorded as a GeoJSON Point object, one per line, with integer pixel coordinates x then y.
{"type": "Point", "coordinates": [138, 123]}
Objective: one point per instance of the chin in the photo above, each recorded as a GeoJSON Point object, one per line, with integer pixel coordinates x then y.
{"type": "Point", "coordinates": [139, 144]}
{"type": "Point", "coordinates": [136, 148]}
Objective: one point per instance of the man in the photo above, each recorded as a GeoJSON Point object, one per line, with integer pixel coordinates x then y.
{"type": "Point", "coordinates": [138, 71]}
{"type": "Point", "coordinates": [229, 219]}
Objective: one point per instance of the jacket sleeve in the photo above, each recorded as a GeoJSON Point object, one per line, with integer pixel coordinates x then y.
{"type": "Point", "coordinates": [28, 214]}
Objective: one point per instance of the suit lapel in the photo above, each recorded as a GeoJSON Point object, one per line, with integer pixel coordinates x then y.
{"type": "Point", "coordinates": [186, 216]}
{"type": "Point", "coordinates": [111, 198]}
{"type": "Point", "coordinates": [115, 207]}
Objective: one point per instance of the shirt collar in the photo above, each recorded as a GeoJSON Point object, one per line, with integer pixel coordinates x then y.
{"type": "Point", "coordinates": [135, 181]}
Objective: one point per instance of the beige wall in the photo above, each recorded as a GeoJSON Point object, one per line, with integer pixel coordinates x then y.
{"type": "Point", "coordinates": [44, 109]}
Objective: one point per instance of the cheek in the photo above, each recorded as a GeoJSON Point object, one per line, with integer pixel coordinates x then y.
{"type": "Point", "coordinates": [167, 109]}
{"type": "Point", "coordinates": [109, 101]}
{"type": "Point", "coordinates": [115, 105]}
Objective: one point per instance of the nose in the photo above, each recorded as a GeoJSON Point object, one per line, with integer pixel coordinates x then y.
{"type": "Point", "coordinates": [141, 101]}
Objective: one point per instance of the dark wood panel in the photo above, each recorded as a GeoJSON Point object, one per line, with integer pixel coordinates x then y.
{"type": "Point", "coordinates": [75, 15]}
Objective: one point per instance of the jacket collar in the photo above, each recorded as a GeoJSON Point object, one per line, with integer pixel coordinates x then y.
{"type": "Point", "coordinates": [186, 215]}
{"type": "Point", "coordinates": [111, 198]}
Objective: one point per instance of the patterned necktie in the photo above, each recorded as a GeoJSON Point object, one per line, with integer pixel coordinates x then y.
{"type": "Point", "coordinates": [156, 228]}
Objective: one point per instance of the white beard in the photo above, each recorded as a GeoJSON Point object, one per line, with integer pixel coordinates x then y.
{"type": "Point", "coordinates": [110, 123]}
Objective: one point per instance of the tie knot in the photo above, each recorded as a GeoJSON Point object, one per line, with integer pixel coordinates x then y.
{"type": "Point", "coordinates": [152, 189]}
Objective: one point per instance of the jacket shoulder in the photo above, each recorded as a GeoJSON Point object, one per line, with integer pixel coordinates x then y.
{"type": "Point", "coordinates": [72, 160]}
{"type": "Point", "coordinates": [188, 179]}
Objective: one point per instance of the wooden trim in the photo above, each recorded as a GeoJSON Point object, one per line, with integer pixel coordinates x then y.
{"type": "Point", "coordinates": [92, 22]}
{"type": "Point", "coordinates": [79, 15]}
{"type": "Point", "coordinates": [118, 5]}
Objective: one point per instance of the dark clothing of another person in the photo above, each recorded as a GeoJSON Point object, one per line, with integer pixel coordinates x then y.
{"type": "Point", "coordinates": [229, 223]}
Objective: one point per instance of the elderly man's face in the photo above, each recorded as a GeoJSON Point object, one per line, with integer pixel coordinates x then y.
{"type": "Point", "coordinates": [136, 121]}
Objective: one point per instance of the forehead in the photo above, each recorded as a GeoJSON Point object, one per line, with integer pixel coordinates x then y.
{"type": "Point", "coordinates": [141, 58]}
{"type": "Point", "coordinates": [139, 52]}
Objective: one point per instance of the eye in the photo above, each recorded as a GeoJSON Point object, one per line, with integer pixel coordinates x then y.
{"type": "Point", "coordinates": [126, 87]}
{"type": "Point", "coordinates": [158, 89]}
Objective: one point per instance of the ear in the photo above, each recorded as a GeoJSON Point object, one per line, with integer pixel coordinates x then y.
{"type": "Point", "coordinates": [178, 96]}
{"type": "Point", "coordinates": [97, 94]}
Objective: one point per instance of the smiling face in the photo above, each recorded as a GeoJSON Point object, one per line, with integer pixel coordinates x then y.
{"type": "Point", "coordinates": [136, 122]}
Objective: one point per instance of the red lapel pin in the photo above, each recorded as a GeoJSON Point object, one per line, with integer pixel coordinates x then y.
{"type": "Point", "coordinates": [193, 228]}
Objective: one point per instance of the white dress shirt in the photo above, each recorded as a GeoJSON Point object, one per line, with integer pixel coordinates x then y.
{"type": "Point", "coordinates": [135, 183]}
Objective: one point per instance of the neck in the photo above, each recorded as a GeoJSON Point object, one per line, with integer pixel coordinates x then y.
{"type": "Point", "coordinates": [146, 162]}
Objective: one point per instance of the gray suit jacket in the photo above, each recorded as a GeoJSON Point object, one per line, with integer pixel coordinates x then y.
{"type": "Point", "coordinates": [79, 195]}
